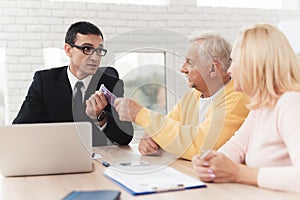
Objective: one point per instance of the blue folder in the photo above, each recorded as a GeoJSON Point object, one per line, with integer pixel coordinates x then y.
{"type": "Point", "coordinates": [97, 194]}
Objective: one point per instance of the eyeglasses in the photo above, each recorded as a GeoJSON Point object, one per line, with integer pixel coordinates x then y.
{"type": "Point", "coordinates": [87, 50]}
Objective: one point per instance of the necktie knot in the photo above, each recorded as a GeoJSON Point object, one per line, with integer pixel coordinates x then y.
{"type": "Point", "coordinates": [78, 86]}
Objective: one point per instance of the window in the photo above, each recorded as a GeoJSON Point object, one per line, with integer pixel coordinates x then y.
{"type": "Point", "coordinates": [265, 4]}
{"type": "Point", "coordinates": [144, 76]}
{"type": "Point", "coordinates": [2, 85]}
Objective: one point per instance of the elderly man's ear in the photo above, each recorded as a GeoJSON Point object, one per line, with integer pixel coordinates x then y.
{"type": "Point", "coordinates": [212, 72]}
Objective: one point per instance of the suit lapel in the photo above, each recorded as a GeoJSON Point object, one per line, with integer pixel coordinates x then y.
{"type": "Point", "coordinates": [63, 84]}
{"type": "Point", "coordinates": [94, 84]}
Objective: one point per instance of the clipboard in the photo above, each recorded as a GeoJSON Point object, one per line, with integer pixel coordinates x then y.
{"type": "Point", "coordinates": [140, 180]}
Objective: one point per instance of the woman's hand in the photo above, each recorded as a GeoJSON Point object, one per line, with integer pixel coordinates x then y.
{"type": "Point", "coordinates": [215, 167]}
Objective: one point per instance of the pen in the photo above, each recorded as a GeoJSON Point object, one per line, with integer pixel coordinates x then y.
{"type": "Point", "coordinates": [168, 188]}
{"type": "Point", "coordinates": [96, 156]}
{"type": "Point", "coordinates": [105, 164]}
{"type": "Point", "coordinates": [136, 163]}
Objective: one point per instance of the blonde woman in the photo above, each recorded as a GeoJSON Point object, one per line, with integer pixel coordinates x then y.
{"type": "Point", "coordinates": [265, 151]}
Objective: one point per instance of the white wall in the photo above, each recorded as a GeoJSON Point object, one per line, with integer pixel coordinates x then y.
{"type": "Point", "coordinates": [28, 26]}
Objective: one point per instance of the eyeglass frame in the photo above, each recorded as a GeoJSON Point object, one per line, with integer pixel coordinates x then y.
{"type": "Point", "coordinates": [94, 49]}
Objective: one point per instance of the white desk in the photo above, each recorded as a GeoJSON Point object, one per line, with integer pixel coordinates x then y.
{"type": "Point", "coordinates": [57, 186]}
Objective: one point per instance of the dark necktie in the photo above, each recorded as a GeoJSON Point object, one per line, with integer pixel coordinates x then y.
{"type": "Point", "coordinates": [78, 108]}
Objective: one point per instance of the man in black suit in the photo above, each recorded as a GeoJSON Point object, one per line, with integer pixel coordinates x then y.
{"type": "Point", "coordinates": [70, 93]}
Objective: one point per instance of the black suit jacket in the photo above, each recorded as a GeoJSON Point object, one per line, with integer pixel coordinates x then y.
{"type": "Point", "coordinates": [49, 99]}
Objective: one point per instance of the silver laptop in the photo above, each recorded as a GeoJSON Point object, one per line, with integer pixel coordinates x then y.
{"type": "Point", "coordinates": [50, 148]}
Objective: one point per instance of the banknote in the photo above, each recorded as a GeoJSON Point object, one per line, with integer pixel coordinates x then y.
{"type": "Point", "coordinates": [110, 97]}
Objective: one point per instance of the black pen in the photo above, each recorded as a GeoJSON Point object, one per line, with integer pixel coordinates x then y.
{"type": "Point", "coordinates": [105, 164]}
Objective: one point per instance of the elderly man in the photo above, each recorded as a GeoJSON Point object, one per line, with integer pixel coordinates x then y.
{"type": "Point", "coordinates": [208, 115]}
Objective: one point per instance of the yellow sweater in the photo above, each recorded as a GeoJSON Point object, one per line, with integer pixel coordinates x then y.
{"type": "Point", "coordinates": [179, 132]}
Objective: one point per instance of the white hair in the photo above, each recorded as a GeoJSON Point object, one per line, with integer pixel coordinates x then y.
{"type": "Point", "coordinates": [213, 47]}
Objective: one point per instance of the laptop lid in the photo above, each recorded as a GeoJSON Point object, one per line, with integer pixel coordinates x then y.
{"type": "Point", "coordinates": [49, 148]}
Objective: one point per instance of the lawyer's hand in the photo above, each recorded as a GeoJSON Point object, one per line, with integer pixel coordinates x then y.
{"type": "Point", "coordinates": [95, 104]}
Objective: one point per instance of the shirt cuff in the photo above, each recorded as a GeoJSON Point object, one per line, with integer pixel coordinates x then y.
{"type": "Point", "coordinates": [101, 128]}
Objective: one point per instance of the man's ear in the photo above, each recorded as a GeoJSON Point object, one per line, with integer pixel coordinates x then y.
{"type": "Point", "coordinates": [212, 71]}
{"type": "Point", "coordinates": [68, 49]}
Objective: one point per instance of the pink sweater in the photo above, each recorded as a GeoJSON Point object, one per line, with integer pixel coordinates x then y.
{"type": "Point", "coordinates": [270, 140]}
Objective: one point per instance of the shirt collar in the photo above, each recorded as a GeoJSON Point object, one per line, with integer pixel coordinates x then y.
{"type": "Point", "coordinates": [73, 80]}
{"type": "Point", "coordinates": [221, 90]}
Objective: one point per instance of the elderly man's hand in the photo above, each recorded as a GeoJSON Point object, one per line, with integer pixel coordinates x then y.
{"type": "Point", "coordinates": [127, 109]}
{"type": "Point", "coordinates": [148, 146]}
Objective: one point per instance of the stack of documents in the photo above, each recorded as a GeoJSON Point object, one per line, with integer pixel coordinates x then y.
{"type": "Point", "coordinates": [151, 179]}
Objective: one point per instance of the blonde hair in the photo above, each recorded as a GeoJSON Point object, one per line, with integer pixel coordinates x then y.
{"type": "Point", "coordinates": [268, 65]}
{"type": "Point", "coordinates": [214, 48]}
